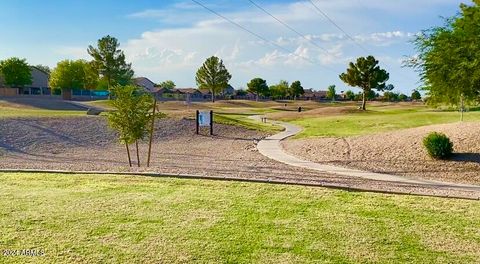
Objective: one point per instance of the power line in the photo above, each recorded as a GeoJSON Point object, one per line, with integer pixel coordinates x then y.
{"type": "Point", "coordinates": [344, 32]}
{"type": "Point", "coordinates": [249, 31]}
{"type": "Point", "coordinates": [259, 36]}
{"type": "Point", "coordinates": [337, 26]}
{"type": "Point", "coordinates": [289, 27]}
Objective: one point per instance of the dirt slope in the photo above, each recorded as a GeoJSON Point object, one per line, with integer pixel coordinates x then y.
{"type": "Point", "coordinates": [400, 152]}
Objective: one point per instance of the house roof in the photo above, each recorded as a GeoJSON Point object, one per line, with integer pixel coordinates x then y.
{"type": "Point", "coordinates": [204, 91]}
{"type": "Point", "coordinates": [38, 69]}
{"type": "Point", "coordinates": [187, 90]}
{"type": "Point", "coordinates": [312, 93]}
{"type": "Point", "coordinates": [139, 79]}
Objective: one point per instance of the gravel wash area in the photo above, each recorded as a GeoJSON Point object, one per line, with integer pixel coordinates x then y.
{"type": "Point", "coordinates": [400, 152]}
{"type": "Point", "coordinates": [87, 144]}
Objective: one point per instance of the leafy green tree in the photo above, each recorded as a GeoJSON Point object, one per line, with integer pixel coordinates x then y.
{"type": "Point", "coordinates": [279, 90]}
{"type": "Point", "coordinates": [390, 96]}
{"type": "Point", "coordinates": [358, 96]}
{"type": "Point", "coordinates": [416, 95]}
{"type": "Point", "coordinates": [16, 72]}
{"type": "Point", "coordinates": [367, 75]}
{"type": "Point", "coordinates": [331, 92]}
{"type": "Point", "coordinates": [168, 84]}
{"type": "Point", "coordinates": [74, 74]}
{"type": "Point", "coordinates": [257, 86]}
{"type": "Point", "coordinates": [241, 92]}
{"type": "Point", "coordinates": [349, 95]}
{"type": "Point", "coordinates": [449, 57]}
{"type": "Point", "coordinates": [371, 95]}
{"type": "Point", "coordinates": [110, 62]}
{"type": "Point", "coordinates": [402, 97]}
{"type": "Point", "coordinates": [213, 76]}
{"type": "Point", "coordinates": [296, 89]}
{"type": "Point", "coordinates": [132, 116]}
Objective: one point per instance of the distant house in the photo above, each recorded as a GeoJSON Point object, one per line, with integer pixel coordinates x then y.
{"type": "Point", "coordinates": [39, 84]}
{"type": "Point", "coordinates": [145, 83]}
{"type": "Point", "coordinates": [229, 90]}
{"type": "Point", "coordinates": [192, 92]}
{"type": "Point", "coordinates": [179, 93]}
{"type": "Point", "coordinates": [311, 94]}
{"type": "Point", "coordinates": [243, 95]}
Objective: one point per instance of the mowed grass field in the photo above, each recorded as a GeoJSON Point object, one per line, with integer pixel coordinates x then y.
{"type": "Point", "coordinates": [317, 119]}
{"type": "Point", "coordinates": [349, 122]}
{"type": "Point", "coordinates": [134, 219]}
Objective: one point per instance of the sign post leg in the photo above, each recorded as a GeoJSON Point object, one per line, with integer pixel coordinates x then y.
{"type": "Point", "coordinates": [211, 123]}
{"type": "Point", "coordinates": [196, 120]}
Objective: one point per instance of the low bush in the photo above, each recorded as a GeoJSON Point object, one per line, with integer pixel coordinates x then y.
{"type": "Point", "coordinates": [438, 145]}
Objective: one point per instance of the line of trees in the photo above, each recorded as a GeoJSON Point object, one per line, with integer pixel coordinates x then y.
{"type": "Point", "coordinates": [214, 76]}
{"type": "Point", "coordinates": [388, 96]}
{"type": "Point", "coordinates": [106, 69]}
{"type": "Point", "coordinates": [283, 89]}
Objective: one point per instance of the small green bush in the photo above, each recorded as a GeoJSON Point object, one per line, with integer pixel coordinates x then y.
{"type": "Point", "coordinates": [438, 145]}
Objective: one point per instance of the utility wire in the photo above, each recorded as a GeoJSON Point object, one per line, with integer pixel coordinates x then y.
{"type": "Point", "coordinates": [289, 27]}
{"type": "Point", "coordinates": [344, 32]}
{"type": "Point", "coordinates": [259, 36]}
{"type": "Point", "coordinates": [337, 26]}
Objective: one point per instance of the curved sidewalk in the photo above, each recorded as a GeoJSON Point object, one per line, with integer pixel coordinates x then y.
{"type": "Point", "coordinates": [271, 148]}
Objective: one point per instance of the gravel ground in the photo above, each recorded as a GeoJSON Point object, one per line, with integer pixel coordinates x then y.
{"type": "Point", "coordinates": [86, 144]}
{"type": "Point", "coordinates": [399, 152]}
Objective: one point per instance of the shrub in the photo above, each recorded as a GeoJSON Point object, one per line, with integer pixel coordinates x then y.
{"type": "Point", "coordinates": [438, 145]}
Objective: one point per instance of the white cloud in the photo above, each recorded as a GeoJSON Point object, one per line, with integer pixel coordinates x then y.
{"type": "Point", "coordinates": [176, 52]}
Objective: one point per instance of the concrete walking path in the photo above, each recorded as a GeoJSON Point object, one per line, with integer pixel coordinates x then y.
{"type": "Point", "coordinates": [272, 148]}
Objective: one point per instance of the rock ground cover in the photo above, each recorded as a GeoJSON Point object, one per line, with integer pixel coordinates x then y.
{"type": "Point", "coordinates": [86, 144]}
{"type": "Point", "coordinates": [400, 152]}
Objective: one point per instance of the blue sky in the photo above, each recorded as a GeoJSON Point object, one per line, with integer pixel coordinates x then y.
{"type": "Point", "coordinates": [170, 39]}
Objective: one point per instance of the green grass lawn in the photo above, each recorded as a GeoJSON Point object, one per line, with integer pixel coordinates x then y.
{"type": "Point", "coordinates": [244, 121]}
{"type": "Point", "coordinates": [133, 219]}
{"type": "Point", "coordinates": [377, 120]}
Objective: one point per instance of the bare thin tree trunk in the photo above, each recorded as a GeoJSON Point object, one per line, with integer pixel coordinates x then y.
{"type": "Point", "coordinates": [138, 155]}
{"type": "Point", "coordinates": [128, 154]}
{"type": "Point", "coordinates": [213, 96]}
{"type": "Point", "coordinates": [462, 107]}
{"type": "Point", "coordinates": [364, 102]}
{"type": "Point", "coordinates": [151, 132]}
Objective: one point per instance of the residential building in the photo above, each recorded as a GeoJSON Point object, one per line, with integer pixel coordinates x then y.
{"type": "Point", "coordinates": [311, 94]}
{"type": "Point", "coordinates": [39, 85]}
{"type": "Point", "coordinates": [145, 83]}
{"type": "Point", "coordinates": [229, 90]}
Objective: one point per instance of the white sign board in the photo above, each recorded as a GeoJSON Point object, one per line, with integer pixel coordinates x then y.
{"type": "Point", "coordinates": [204, 118]}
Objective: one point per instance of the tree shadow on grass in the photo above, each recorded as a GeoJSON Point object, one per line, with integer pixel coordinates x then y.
{"type": "Point", "coordinates": [43, 102]}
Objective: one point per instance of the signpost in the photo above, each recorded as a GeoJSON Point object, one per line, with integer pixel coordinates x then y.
{"type": "Point", "coordinates": [204, 119]}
